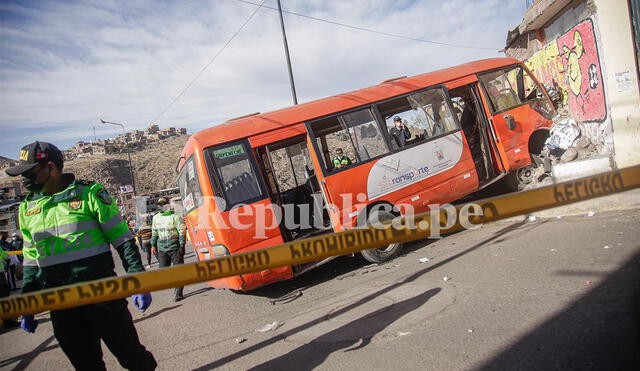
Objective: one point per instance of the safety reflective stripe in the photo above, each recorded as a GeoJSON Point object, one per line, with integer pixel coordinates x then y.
{"type": "Point", "coordinates": [67, 256]}
{"type": "Point", "coordinates": [58, 230]}
{"type": "Point", "coordinates": [122, 239]}
{"type": "Point", "coordinates": [113, 222]}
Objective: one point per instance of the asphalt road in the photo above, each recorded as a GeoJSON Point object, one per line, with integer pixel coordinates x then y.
{"type": "Point", "coordinates": [548, 294]}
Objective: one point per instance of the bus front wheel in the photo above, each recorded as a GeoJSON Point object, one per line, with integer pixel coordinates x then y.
{"type": "Point", "coordinates": [383, 254]}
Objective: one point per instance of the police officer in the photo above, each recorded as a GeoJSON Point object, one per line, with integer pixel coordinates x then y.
{"type": "Point", "coordinates": [340, 160]}
{"type": "Point", "coordinates": [67, 226]}
{"type": "Point", "coordinates": [168, 239]}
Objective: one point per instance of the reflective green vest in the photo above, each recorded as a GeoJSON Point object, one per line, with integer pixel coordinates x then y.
{"type": "Point", "coordinates": [167, 231]}
{"type": "Point", "coordinates": [77, 223]}
{"type": "Point", "coordinates": [3, 256]}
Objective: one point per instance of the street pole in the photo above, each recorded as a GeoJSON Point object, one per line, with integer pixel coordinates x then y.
{"type": "Point", "coordinates": [286, 52]}
{"type": "Point", "coordinates": [133, 181]}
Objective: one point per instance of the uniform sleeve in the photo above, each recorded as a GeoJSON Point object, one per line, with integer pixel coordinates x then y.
{"type": "Point", "coordinates": [104, 208]}
{"type": "Point", "coordinates": [154, 232]}
{"type": "Point", "coordinates": [115, 228]}
{"type": "Point", "coordinates": [181, 229]}
{"type": "Point", "coordinates": [29, 272]}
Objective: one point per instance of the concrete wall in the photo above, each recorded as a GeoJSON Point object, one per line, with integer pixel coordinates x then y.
{"type": "Point", "coordinates": [617, 55]}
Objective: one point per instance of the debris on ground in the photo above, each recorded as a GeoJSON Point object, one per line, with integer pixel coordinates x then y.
{"type": "Point", "coordinates": [531, 218]}
{"type": "Point", "coordinates": [588, 282]}
{"type": "Point", "coordinates": [606, 247]}
{"type": "Point", "coordinates": [423, 260]}
{"type": "Point", "coordinates": [470, 330]}
{"type": "Point", "coordinates": [269, 327]}
{"type": "Point", "coordinates": [286, 298]}
{"type": "Point", "coordinates": [446, 278]}
{"type": "Point", "coordinates": [352, 274]}
{"type": "Point", "coordinates": [400, 333]}
{"type": "Point", "coordinates": [240, 340]}
{"type": "Point", "coordinates": [591, 213]}
{"type": "Point", "coordinates": [553, 250]}
{"type": "Point", "coordinates": [566, 143]}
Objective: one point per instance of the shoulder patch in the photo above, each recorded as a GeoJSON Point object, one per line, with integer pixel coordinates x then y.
{"type": "Point", "coordinates": [103, 195]}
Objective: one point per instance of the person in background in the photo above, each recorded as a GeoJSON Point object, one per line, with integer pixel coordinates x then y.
{"type": "Point", "coordinates": [60, 208]}
{"type": "Point", "coordinates": [340, 160]}
{"type": "Point", "coordinates": [144, 239]}
{"type": "Point", "coordinates": [168, 239]}
{"type": "Point", "coordinates": [399, 132]}
{"type": "Point", "coordinates": [4, 285]}
{"type": "Point", "coordinates": [17, 242]}
{"type": "Point", "coordinates": [10, 267]}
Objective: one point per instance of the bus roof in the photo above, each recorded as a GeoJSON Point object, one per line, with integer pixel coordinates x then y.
{"type": "Point", "coordinates": [250, 125]}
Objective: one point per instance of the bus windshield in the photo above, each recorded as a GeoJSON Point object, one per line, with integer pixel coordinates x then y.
{"type": "Point", "coordinates": [234, 174]}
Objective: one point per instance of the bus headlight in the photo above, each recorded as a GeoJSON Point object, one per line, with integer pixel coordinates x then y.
{"type": "Point", "coordinates": [219, 250]}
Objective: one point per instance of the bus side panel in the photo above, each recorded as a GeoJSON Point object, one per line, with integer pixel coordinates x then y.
{"type": "Point", "coordinates": [437, 171]}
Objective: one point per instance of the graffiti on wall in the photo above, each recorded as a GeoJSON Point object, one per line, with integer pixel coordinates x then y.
{"type": "Point", "coordinates": [572, 64]}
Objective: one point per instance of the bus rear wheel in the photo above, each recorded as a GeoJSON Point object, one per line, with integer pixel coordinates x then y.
{"type": "Point", "coordinates": [382, 254]}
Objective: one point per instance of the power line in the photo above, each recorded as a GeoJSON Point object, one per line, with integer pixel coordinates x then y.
{"type": "Point", "coordinates": [208, 64]}
{"type": "Point", "coordinates": [369, 30]}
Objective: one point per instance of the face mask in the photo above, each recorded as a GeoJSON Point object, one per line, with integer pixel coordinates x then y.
{"type": "Point", "coordinates": [29, 181]}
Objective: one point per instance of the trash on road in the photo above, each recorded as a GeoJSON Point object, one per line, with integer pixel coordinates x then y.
{"type": "Point", "coordinates": [269, 327]}
{"type": "Point", "coordinates": [531, 218]}
{"type": "Point", "coordinates": [470, 330]}
{"type": "Point", "coordinates": [446, 278]}
{"type": "Point", "coordinates": [553, 250]}
{"type": "Point", "coordinates": [352, 274]}
{"type": "Point", "coordinates": [591, 213]}
{"type": "Point", "coordinates": [559, 217]}
{"type": "Point", "coordinates": [423, 260]}
{"type": "Point", "coordinates": [606, 247]}
{"type": "Point", "coordinates": [240, 340]}
{"type": "Point", "coordinates": [400, 333]}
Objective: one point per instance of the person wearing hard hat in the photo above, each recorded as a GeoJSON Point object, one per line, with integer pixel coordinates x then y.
{"type": "Point", "coordinates": [68, 225]}
{"type": "Point", "coordinates": [168, 239]}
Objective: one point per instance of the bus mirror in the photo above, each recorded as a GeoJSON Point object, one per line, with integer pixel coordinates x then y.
{"type": "Point", "coordinates": [511, 122]}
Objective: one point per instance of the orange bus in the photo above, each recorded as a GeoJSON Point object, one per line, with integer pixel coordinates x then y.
{"type": "Point", "coordinates": [358, 157]}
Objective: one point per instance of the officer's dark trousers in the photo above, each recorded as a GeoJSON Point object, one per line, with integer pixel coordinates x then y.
{"type": "Point", "coordinates": [169, 258]}
{"type": "Point", "coordinates": [79, 331]}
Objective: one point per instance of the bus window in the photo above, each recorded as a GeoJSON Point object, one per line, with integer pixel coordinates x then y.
{"type": "Point", "coordinates": [290, 163]}
{"type": "Point", "coordinates": [189, 187]}
{"type": "Point", "coordinates": [348, 139]}
{"type": "Point", "coordinates": [425, 114]}
{"type": "Point", "coordinates": [513, 87]}
{"type": "Point", "coordinates": [235, 173]}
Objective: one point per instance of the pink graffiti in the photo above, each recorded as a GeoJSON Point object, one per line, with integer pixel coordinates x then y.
{"type": "Point", "coordinates": [583, 75]}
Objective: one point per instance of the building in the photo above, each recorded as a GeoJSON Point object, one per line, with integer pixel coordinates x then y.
{"type": "Point", "coordinates": [9, 218]}
{"type": "Point", "coordinates": [589, 51]}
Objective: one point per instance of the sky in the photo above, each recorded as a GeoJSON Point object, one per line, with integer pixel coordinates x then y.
{"type": "Point", "coordinates": [64, 65]}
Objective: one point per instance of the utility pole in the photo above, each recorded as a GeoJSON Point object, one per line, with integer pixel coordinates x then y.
{"type": "Point", "coordinates": [286, 52]}
{"type": "Point", "coordinates": [133, 182]}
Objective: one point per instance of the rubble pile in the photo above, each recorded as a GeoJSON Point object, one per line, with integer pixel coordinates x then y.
{"type": "Point", "coordinates": [565, 144]}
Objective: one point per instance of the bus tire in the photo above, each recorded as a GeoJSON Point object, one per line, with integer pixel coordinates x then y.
{"type": "Point", "coordinates": [382, 254]}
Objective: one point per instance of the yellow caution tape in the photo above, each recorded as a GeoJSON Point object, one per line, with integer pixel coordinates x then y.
{"type": "Point", "coordinates": [318, 248]}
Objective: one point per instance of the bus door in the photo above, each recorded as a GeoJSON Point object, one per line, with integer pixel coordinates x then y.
{"type": "Point", "coordinates": [468, 106]}
{"type": "Point", "coordinates": [518, 106]}
{"type": "Point", "coordinates": [284, 161]}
